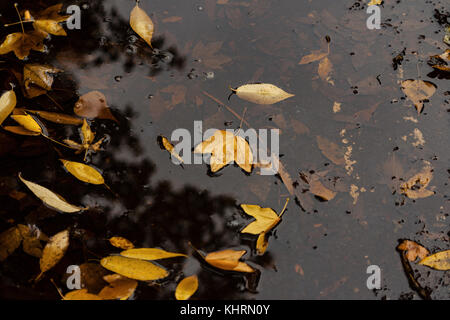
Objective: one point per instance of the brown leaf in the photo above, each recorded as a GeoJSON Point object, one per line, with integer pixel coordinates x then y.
{"type": "Point", "coordinates": [417, 91]}
{"type": "Point", "coordinates": [9, 241]}
{"type": "Point", "coordinates": [54, 251]}
{"type": "Point", "coordinates": [122, 243]}
{"type": "Point", "coordinates": [208, 55]}
{"type": "Point", "coordinates": [319, 190]}
{"type": "Point", "coordinates": [416, 186]}
{"type": "Point", "coordinates": [413, 250]}
{"type": "Point", "coordinates": [331, 150]}
{"type": "Point", "coordinates": [23, 43]}
{"type": "Point", "coordinates": [325, 70]}
{"type": "Point", "coordinates": [314, 56]}
{"type": "Point", "coordinates": [93, 105]}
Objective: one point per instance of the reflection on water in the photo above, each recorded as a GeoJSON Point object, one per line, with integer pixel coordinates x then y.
{"type": "Point", "coordinates": [320, 249]}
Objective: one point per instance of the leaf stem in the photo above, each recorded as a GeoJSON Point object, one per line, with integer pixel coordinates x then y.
{"type": "Point", "coordinates": [20, 18]}
{"type": "Point", "coordinates": [284, 208]}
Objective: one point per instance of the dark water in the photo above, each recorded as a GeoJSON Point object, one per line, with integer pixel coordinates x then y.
{"type": "Point", "coordinates": [320, 250]}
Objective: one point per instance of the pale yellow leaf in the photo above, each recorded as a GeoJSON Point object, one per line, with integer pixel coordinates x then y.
{"type": "Point", "coordinates": [186, 288]}
{"type": "Point", "coordinates": [141, 23]}
{"type": "Point", "coordinates": [134, 268]}
{"type": "Point", "coordinates": [8, 101]}
{"type": "Point", "coordinates": [438, 261]}
{"type": "Point", "coordinates": [262, 93]}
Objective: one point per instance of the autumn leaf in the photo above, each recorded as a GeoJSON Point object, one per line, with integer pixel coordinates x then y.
{"type": "Point", "coordinates": [169, 147]}
{"type": "Point", "coordinates": [314, 56]}
{"type": "Point", "coordinates": [29, 123]}
{"type": "Point", "coordinates": [83, 172]}
{"type": "Point", "coordinates": [186, 288]}
{"type": "Point", "coordinates": [9, 241]}
{"type": "Point", "coordinates": [374, 2]}
{"type": "Point", "coordinates": [20, 130]}
{"type": "Point", "coordinates": [226, 147]}
{"type": "Point", "coordinates": [48, 20]}
{"type": "Point", "coordinates": [262, 93]}
{"type": "Point", "coordinates": [325, 70]}
{"type": "Point", "coordinates": [31, 243]}
{"type": "Point", "coordinates": [413, 250]}
{"type": "Point", "coordinates": [8, 102]}
{"type": "Point", "coordinates": [23, 43]}
{"type": "Point", "coordinates": [87, 137]}
{"type": "Point", "coordinates": [417, 91]}
{"type": "Point", "coordinates": [141, 23]}
{"type": "Point", "coordinates": [81, 294]}
{"type": "Point", "coordinates": [209, 55]}
{"type": "Point", "coordinates": [37, 79]}
{"type": "Point", "coordinates": [119, 287]}
{"type": "Point", "coordinates": [262, 243]}
{"type": "Point", "coordinates": [228, 260]}
{"type": "Point", "coordinates": [55, 117]}
{"type": "Point", "coordinates": [53, 251]}
{"type": "Point", "coordinates": [150, 254]}
{"type": "Point", "coordinates": [266, 219]}
{"type": "Point", "coordinates": [331, 150]}
{"type": "Point", "coordinates": [441, 62]}
{"type": "Point", "coordinates": [93, 105]}
{"type": "Point", "coordinates": [120, 242]}
{"type": "Point", "coordinates": [416, 186]}
{"type": "Point", "coordinates": [50, 198]}
{"type": "Point", "coordinates": [134, 268]}
{"type": "Point", "coordinates": [438, 261]}
{"type": "Point", "coordinates": [319, 190]}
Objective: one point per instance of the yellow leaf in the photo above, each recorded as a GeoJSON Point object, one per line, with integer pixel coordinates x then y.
{"type": "Point", "coordinates": [87, 136]}
{"type": "Point", "coordinates": [261, 243]}
{"type": "Point", "coordinates": [48, 20]}
{"type": "Point", "coordinates": [134, 268]}
{"type": "Point", "coordinates": [225, 147]}
{"type": "Point", "coordinates": [416, 186]}
{"type": "Point", "coordinates": [228, 260]}
{"type": "Point", "coordinates": [119, 287]}
{"type": "Point", "coordinates": [23, 43]}
{"type": "Point", "coordinates": [53, 251]}
{"type": "Point", "coordinates": [438, 261]}
{"type": "Point", "coordinates": [141, 23]}
{"type": "Point", "coordinates": [262, 93]}
{"type": "Point", "coordinates": [186, 288]}
{"type": "Point", "coordinates": [50, 198]}
{"type": "Point", "coordinates": [314, 56]}
{"type": "Point", "coordinates": [121, 243]}
{"type": "Point", "coordinates": [417, 91]}
{"type": "Point", "coordinates": [83, 172]}
{"type": "Point", "coordinates": [31, 242]}
{"type": "Point", "coordinates": [266, 219]}
{"type": "Point", "coordinates": [81, 294]}
{"type": "Point", "coordinates": [9, 241]}
{"type": "Point", "coordinates": [8, 101]}
{"type": "Point", "coordinates": [93, 105]}
{"type": "Point", "coordinates": [413, 250]}
{"type": "Point", "coordinates": [374, 2]}
{"type": "Point", "coordinates": [169, 147]}
{"type": "Point", "coordinates": [28, 123]}
{"type": "Point", "coordinates": [150, 254]}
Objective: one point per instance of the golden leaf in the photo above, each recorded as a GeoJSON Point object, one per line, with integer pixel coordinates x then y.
{"type": "Point", "coordinates": [53, 251]}
{"type": "Point", "coordinates": [225, 147]}
{"type": "Point", "coordinates": [262, 93]}
{"type": "Point", "coordinates": [9, 241]}
{"type": "Point", "coordinates": [87, 137]}
{"type": "Point", "coordinates": [20, 130]}
{"type": "Point", "coordinates": [374, 2]}
{"type": "Point", "coordinates": [48, 21]}
{"type": "Point", "coordinates": [262, 243]}
{"type": "Point", "coordinates": [8, 102]}
{"type": "Point", "coordinates": [417, 91]}
{"type": "Point", "coordinates": [23, 43]}
{"type": "Point", "coordinates": [150, 254]}
{"type": "Point", "coordinates": [37, 79]}
{"type": "Point", "coordinates": [186, 288]}
{"type": "Point", "coordinates": [413, 250]}
{"type": "Point", "coordinates": [119, 287]}
{"type": "Point", "coordinates": [141, 23]}
{"type": "Point", "coordinates": [416, 186]}
{"type": "Point", "coordinates": [29, 123]}
{"type": "Point", "coordinates": [134, 268]}
{"type": "Point", "coordinates": [83, 172]}
{"type": "Point", "coordinates": [31, 242]}
{"type": "Point", "coordinates": [59, 118]}
{"type": "Point", "coordinates": [50, 198]}
{"type": "Point", "coordinates": [169, 147]}
{"type": "Point", "coordinates": [81, 294]}
{"type": "Point", "coordinates": [266, 219]}
{"type": "Point", "coordinates": [438, 261]}
{"type": "Point", "coordinates": [228, 260]}
{"type": "Point", "coordinates": [120, 242]}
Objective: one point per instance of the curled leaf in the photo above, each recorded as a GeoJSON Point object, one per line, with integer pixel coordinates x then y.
{"type": "Point", "coordinates": [186, 288]}
{"type": "Point", "coordinates": [29, 123]}
{"type": "Point", "coordinates": [169, 147]}
{"type": "Point", "coordinates": [134, 268]}
{"type": "Point", "coordinates": [150, 254]}
{"type": "Point", "coordinates": [262, 93]}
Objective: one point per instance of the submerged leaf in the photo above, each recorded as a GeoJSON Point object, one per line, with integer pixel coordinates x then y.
{"type": "Point", "coordinates": [9, 241]}
{"type": "Point", "coordinates": [23, 43]}
{"type": "Point", "coordinates": [54, 250]}
{"type": "Point", "coordinates": [186, 288]}
{"type": "Point", "coordinates": [150, 254]}
{"type": "Point", "coordinates": [438, 261]}
{"type": "Point", "coordinates": [314, 56]}
{"type": "Point", "coordinates": [262, 93]}
{"type": "Point", "coordinates": [416, 186]}
{"type": "Point", "coordinates": [141, 23]}
{"type": "Point", "coordinates": [134, 268]}
{"type": "Point", "coordinates": [50, 198]}
{"type": "Point", "coordinates": [8, 102]}
{"type": "Point", "coordinates": [417, 91]}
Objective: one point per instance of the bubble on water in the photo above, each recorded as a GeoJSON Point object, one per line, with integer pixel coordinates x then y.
{"type": "Point", "coordinates": [85, 6]}
{"type": "Point", "coordinates": [209, 75]}
{"type": "Point", "coordinates": [199, 8]}
{"type": "Point", "coordinates": [118, 78]}
{"type": "Point", "coordinates": [168, 57]}
{"type": "Point", "coordinates": [150, 96]}
{"type": "Point", "coordinates": [131, 49]}
{"type": "Point", "coordinates": [132, 39]}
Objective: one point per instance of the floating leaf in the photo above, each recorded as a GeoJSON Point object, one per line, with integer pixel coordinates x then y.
{"type": "Point", "coordinates": [87, 137]}
{"type": "Point", "coordinates": [417, 91]}
{"type": "Point", "coordinates": [413, 250]}
{"type": "Point", "coordinates": [37, 79]}
{"type": "Point", "coordinates": [31, 243]}
{"type": "Point", "coordinates": [50, 198]}
{"type": "Point", "coordinates": [438, 261]}
{"type": "Point", "coordinates": [53, 252]}
{"type": "Point", "coordinates": [134, 268]}
{"type": "Point", "coordinates": [228, 260]}
{"type": "Point", "coordinates": [169, 147]}
{"type": "Point", "coordinates": [8, 102]}
{"type": "Point", "coordinates": [120, 242]}
{"type": "Point", "coordinates": [416, 186]}
{"type": "Point", "coordinates": [81, 294]}
{"type": "Point", "coordinates": [262, 243]}
{"type": "Point", "coordinates": [48, 20]}
{"type": "Point", "coordinates": [83, 172]}
{"type": "Point", "coordinates": [9, 241]}
{"type": "Point", "coordinates": [20, 130]}
{"type": "Point", "coordinates": [141, 23]}
{"type": "Point", "coordinates": [262, 93]}
{"type": "Point", "coordinates": [209, 55]}
{"type": "Point", "coordinates": [119, 287]}
{"type": "Point", "coordinates": [266, 219]}
{"type": "Point", "coordinates": [441, 62]}
{"type": "Point", "coordinates": [23, 43]}
{"type": "Point", "coordinates": [186, 288]}
{"type": "Point", "coordinates": [29, 123]}
{"type": "Point", "coordinates": [93, 105]}
{"type": "Point", "coordinates": [226, 147]}
{"type": "Point", "coordinates": [54, 117]}
{"type": "Point", "coordinates": [91, 276]}
{"type": "Point", "coordinates": [374, 2]}
{"type": "Point", "coordinates": [150, 254]}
